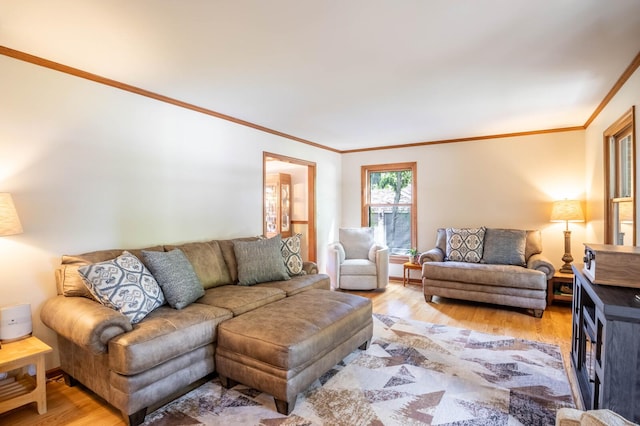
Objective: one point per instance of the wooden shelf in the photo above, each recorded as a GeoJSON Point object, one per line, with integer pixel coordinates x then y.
{"type": "Point", "coordinates": [23, 389]}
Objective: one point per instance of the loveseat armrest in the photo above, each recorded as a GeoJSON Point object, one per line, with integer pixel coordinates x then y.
{"type": "Point", "coordinates": [433, 255]}
{"type": "Point", "coordinates": [541, 263]}
{"type": "Point", "coordinates": [310, 267]}
{"type": "Point", "coordinates": [84, 322]}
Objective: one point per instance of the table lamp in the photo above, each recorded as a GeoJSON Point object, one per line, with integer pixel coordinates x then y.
{"type": "Point", "coordinates": [567, 211]}
{"type": "Point", "coordinates": [9, 221]}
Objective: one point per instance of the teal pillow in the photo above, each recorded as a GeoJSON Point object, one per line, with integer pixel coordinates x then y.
{"type": "Point", "coordinates": [176, 276]}
{"type": "Point", "coordinates": [260, 261]}
{"type": "Point", "coordinates": [504, 247]}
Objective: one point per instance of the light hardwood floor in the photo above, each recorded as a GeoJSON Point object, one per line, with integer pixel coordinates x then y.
{"type": "Point", "coordinates": [78, 406]}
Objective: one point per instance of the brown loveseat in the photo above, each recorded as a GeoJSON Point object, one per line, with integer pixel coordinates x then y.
{"type": "Point", "coordinates": [490, 265]}
{"type": "Point", "coordinates": [140, 365]}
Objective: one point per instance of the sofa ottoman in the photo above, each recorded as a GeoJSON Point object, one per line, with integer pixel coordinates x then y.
{"type": "Point", "coordinates": [282, 348]}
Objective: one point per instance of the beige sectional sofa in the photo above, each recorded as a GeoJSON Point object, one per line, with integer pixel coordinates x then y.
{"type": "Point", "coordinates": [490, 265]}
{"type": "Point", "coordinates": [138, 366]}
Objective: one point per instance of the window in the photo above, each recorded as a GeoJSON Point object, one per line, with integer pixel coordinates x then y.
{"type": "Point", "coordinates": [389, 205]}
{"type": "Point", "coordinates": [619, 149]}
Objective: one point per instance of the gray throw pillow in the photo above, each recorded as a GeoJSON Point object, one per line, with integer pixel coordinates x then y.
{"type": "Point", "coordinates": [260, 261]}
{"type": "Point", "coordinates": [123, 284]}
{"type": "Point", "coordinates": [504, 246]}
{"type": "Point", "coordinates": [176, 276]}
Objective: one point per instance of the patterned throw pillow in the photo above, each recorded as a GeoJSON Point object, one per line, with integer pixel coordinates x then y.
{"type": "Point", "coordinates": [123, 284]}
{"type": "Point", "coordinates": [291, 254]}
{"type": "Point", "coordinates": [260, 261]}
{"type": "Point", "coordinates": [465, 244]}
{"type": "Point", "coordinates": [176, 276]}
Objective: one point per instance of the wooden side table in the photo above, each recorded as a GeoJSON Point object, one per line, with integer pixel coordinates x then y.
{"type": "Point", "coordinates": [23, 389]}
{"type": "Point", "coordinates": [406, 268]}
{"type": "Point", "coordinates": [559, 278]}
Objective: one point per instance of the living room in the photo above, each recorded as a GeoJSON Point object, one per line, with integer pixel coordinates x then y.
{"type": "Point", "coordinates": [91, 166]}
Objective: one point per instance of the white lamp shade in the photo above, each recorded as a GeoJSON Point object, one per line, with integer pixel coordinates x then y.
{"type": "Point", "coordinates": [567, 211]}
{"type": "Point", "coordinates": [9, 221]}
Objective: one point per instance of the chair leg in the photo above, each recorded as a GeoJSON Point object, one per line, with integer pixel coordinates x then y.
{"type": "Point", "coordinates": [427, 297]}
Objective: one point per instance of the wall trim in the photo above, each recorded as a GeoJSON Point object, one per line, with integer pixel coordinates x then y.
{"type": "Point", "coordinates": [26, 57]}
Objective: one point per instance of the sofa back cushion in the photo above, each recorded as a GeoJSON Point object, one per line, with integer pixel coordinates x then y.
{"type": "Point", "coordinates": [226, 247]}
{"type": "Point", "coordinates": [356, 242]}
{"type": "Point", "coordinates": [504, 247]}
{"type": "Point", "coordinates": [207, 261]}
{"type": "Point", "coordinates": [534, 244]}
{"type": "Point", "coordinates": [68, 280]}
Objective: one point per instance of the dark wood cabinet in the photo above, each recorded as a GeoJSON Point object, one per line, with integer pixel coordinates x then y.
{"type": "Point", "coordinates": [605, 351]}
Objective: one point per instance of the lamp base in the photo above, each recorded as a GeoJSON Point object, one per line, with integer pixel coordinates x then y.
{"type": "Point", "coordinates": [566, 269]}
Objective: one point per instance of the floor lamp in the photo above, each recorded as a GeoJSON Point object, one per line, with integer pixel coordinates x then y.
{"type": "Point", "coordinates": [567, 211]}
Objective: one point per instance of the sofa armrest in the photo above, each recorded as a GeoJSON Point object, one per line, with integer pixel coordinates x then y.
{"type": "Point", "coordinates": [541, 263]}
{"type": "Point", "coordinates": [84, 322]}
{"type": "Point", "coordinates": [310, 267]}
{"type": "Point", "coordinates": [433, 255]}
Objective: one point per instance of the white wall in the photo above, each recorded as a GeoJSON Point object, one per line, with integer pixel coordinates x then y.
{"type": "Point", "coordinates": [628, 96]}
{"type": "Point", "coordinates": [503, 182]}
{"type": "Point", "coordinates": [92, 167]}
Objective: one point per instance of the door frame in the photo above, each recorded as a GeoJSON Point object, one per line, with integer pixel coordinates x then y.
{"type": "Point", "coordinates": [311, 197]}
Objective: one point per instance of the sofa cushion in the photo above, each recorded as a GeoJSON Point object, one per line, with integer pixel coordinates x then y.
{"type": "Point", "coordinates": [241, 299]}
{"type": "Point", "coordinates": [291, 254]}
{"type": "Point", "coordinates": [68, 280]}
{"type": "Point", "coordinates": [465, 244]}
{"type": "Point", "coordinates": [534, 244]}
{"type": "Point", "coordinates": [207, 261]}
{"type": "Point", "coordinates": [356, 242]}
{"type": "Point", "coordinates": [489, 275]}
{"type": "Point", "coordinates": [260, 261]}
{"type": "Point", "coordinates": [226, 247]}
{"type": "Point", "coordinates": [504, 246]}
{"type": "Point", "coordinates": [125, 285]}
{"type": "Point", "coordinates": [300, 283]}
{"type": "Point", "coordinates": [176, 276]}
{"type": "Point", "coordinates": [165, 334]}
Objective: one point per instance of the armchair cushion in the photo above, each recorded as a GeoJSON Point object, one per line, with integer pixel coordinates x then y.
{"type": "Point", "coordinates": [504, 246]}
{"type": "Point", "coordinates": [356, 242]}
{"type": "Point", "coordinates": [465, 244]}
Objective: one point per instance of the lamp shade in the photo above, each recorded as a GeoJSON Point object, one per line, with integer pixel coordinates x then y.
{"type": "Point", "coordinates": [567, 211]}
{"type": "Point", "coordinates": [9, 221]}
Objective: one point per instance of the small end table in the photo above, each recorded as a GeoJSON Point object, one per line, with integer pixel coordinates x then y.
{"type": "Point", "coordinates": [406, 268]}
{"type": "Point", "coordinates": [23, 389]}
{"type": "Point", "coordinates": [558, 279]}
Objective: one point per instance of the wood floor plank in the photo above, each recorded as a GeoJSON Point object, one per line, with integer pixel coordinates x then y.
{"type": "Point", "coordinates": [78, 406]}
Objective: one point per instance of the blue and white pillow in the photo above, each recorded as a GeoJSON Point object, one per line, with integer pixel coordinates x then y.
{"type": "Point", "coordinates": [125, 285]}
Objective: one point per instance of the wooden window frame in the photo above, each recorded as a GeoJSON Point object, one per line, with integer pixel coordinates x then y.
{"type": "Point", "coordinates": [365, 172]}
{"type": "Point", "coordinates": [618, 130]}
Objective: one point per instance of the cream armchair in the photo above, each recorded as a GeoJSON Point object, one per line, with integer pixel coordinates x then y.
{"type": "Point", "coordinates": [356, 262]}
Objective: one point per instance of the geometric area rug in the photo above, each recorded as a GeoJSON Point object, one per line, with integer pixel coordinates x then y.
{"type": "Point", "coordinates": [414, 373]}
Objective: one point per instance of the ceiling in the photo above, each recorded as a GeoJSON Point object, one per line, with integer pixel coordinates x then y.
{"type": "Point", "coordinates": [349, 74]}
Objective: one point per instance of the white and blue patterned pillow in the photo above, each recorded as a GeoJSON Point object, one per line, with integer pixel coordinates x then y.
{"type": "Point", "coordinates": [290, 250]}
{"type": "Point", "coordinates": [465, 244]}
{"type": "Point", "coordinates": [125, 285]}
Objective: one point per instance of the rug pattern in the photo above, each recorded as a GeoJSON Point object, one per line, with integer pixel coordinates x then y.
{"type": "Point", "coordinates": [414, 373]}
